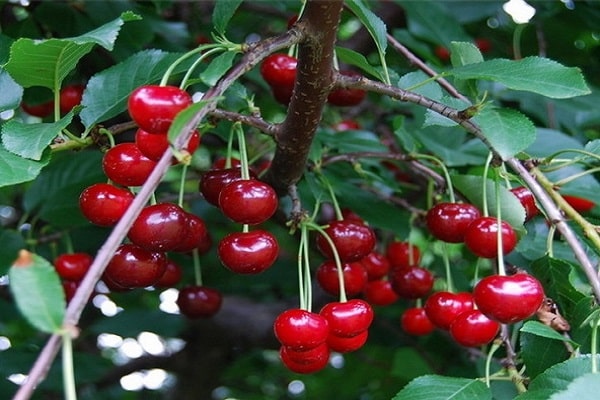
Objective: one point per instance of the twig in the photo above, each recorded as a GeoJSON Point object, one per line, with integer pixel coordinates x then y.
{"type": "Point", "coordinates": [256, 122]}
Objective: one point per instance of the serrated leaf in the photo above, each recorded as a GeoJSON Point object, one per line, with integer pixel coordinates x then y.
{"type": "Point", "coordinates": [15, 169]}
{"type": "Point", "coordinates": [582, 388]}
{"type": "Point", "coordinates": [464, 53]}
{"type": "Point", "coordinates": [435, 387]}
{"type": "Point", "coordinates": [539, 353]}
{"type": "Point", "coordinates": [351, 57]}
{"type": "Point", "coordinates": [217, 68]}
{"type": "Point", "coordinates": [178, 124]}
{"type": "Point", "coordinates": [12, 242]}
{"type": "Point", "coordinates": [38, 293]}
{"type": "Point", "coordinates": [507, 131]}
{"type": "Point", "coordinates": [534, 74]}
{"type": "Point", "coordinates": [593, 146]}
{"type": "Point", "coordinates": [433, 118]}
{"type": "Point", "coordinates": [539, 329]}
{"type": "Point", "coordinates": [12, 92]}
{"type": "Point", "coordinates": [421, 83]}
{"type": "Point", "coordinates": [222, 13]}
{"type": "Point", "coordinates": [559, 376]}
{"type": "Point", "coordinates": [30, 140]}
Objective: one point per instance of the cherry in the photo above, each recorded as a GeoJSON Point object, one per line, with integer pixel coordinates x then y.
{"type": "Point", "coordinates": [133, 266]}
{"type": "Point", "coordinates": [159, 227]}
{"type": "Point", "coordinates": [483, 44]}
{"type": "Point", "coordinates": [248, 252]}
{"type": "Point", "coordinates": [214, 180]}
{"type": "Point", "coordinates": [199, 301]}
{"type": "Point", "coordinates": [344, 344]}
{"type": "Point", "coordinates": [104, 204]}
{"type": "Point", "coordinates": [171, 276]}
{"type": "Point", "coordinates": [473, 329]}
{"type": "Point", "coordinates": [508, 299]}
{"type": "Point", "coordinates": [70, 96]}
{"type": "Point", "coordinates": [527, 201]}
{"type": "Point", "coordinates": [248, 201]}
{"type": "Point", "coordinates": [70, 288]}
{"type": "Point", "coordinates": [126, 165]}
{"type": "Point", "coordinates": [481, 237]}
{"type": "Point", "coordinates": [41, 110]}
{"type": "Point", "coordinates": [73, 266]}
{"type": "Point", "coordinates": [346, 125]}
{"type": "Point", "coordinates": [580, 204]}
{"type": "Point", "coordinates": [411, 282]}
{"type": "Point", "coordinates": [345, 97]}
{"type": "Point", "coordinates": [442, 308]}
{"type": "Point", "coordinates": [283, 93]}
{"type": "Point", "coordinates": [402, 254]}
{"type": "Point", "coordinates": [154, 107]}
{"type": "Point", "coordinates": [305, 362]}
{"type": "Point", "coordinates": [300, 329]}
{"type": "Point", "coordinates": [449, 221]}
{"type": "Point", "coordinates": [197, 236]}
{"type": "Point", "coordinates": [221, 163]}
{"type": "Point", "coordinates": [154, 145]}
{"type": "Point", "coordinates": [349, 318]}
{"type": "Point", "coordinates": [380, 293]}
{"type": "Point", "coordinates": [376, 264]}
{"type": "Point", "coordinates": [355, 278]}
{"type": "Point", "coordinates": [415, 321]}
{"type": "Point", "coordinates": [442, 53]}
{"type": "Point", "coordinates": [350, 215]}
{"type": "Point", "coordinates": [352, 240]}
{"type": "Point", "coordinates": [279, 70]}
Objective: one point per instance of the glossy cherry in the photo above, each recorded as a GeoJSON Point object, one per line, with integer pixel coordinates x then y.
{"type": "Point", "coordinates": [154, 145]}
{"type": "Point", "coordinates": [508, 299]}
{"type": "Point", "coordinates": [305, 362]}
{"type": "Point", "coordinates": [70, 96]}
{"type": "Point", "coordinates": [411, 282]}
{"type": "Point", "coordinates": [355, 278]}
{"type": "Point", "coordinates": [279, 70]}
{"type": "Point", "coordinates": [214, 180]}
{"type": "Point", "coordinates": [473, 329]}
{"type": "Point", "coordinates": [352, 240]}
{"type": "Point", "coordinates": [346, 97]}
{"type": "Point", "coordinates": [402, 254]}
{"type": "Point", "coordinates": [380, 293]}
{"type": "Point", "coordinates": [442, 308]}
{"type": "Point", "coordinates": [154, 107]}
{"type": "Point", "coordinates": [125, 165]}
{"type": "Point", "coordinates": [481, 237]}
{"type": "Point", "coordinates": [527, 201]}
{"type": "Point", "coordinates": [415, 321]}
{"type": "Point", "coordinates": [248, 201]}
{"type": "Point", "coordinates": [300, 329]}
{"type": "Point", "coordinates": [70, 288]}
{"type": "Point", "coordinates": [73, 266]}
{"type": "Point", "coordinates": [199, 301]}
{"type": "Point", "coordinates": [197, 236]}
{"type": "Point", "coordinates": [376, 264]}
{"type": "Point", "coordinates": [104, 204]}
{"type": "Point", "coordinates": [580, 204]}
{"type": "Point", "coordinates": [248, 252]}
{"type": "Point", "coordinates": [132, 267]}
{"type": "Point", "coordinates": [344, 344]}
{"type": "Point", "coordinates": [348, 318]}
{"type": "Point", "coordinates": [159, 227]}
{"type": "Point", "coordinates": [346, 125]}
{"type": "Point", "coordinates": [41, 110]}
{"type": "Point", "coordinates": [449, 221]}
{"type": "Point", "coordinates": [171, 276]}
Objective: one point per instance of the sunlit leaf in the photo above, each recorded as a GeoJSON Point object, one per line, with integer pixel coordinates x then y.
{"type": "Point", "coordinates": [12, 92]}
{"type": "Point", "coordinates": [539, 329]}
{"type": "Point", "coordinates": [436, 387]}
{"type": "Point", "coordinates": [15, 169]}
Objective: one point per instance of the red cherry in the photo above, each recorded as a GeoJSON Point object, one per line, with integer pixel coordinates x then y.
{"type": "Point", "coordinates": [305, 362]}
{"type": "Point", "coordinates": [70, 96]}
{"type": "Point", "coordinates": [411, 282]}
{"type": "Point", "coordinates": [349, 318]}
{"type": "Point", "coordinates": [580, 204]}
{"type": "Point", "coordinates": [126, 165]}
{"type": "Point", "coordinates": [248, 252]}
{"type": "Point", "coordinates": [449, 221]}
{"type": "Point", "coordinates": [527, 201]}
{"type": "Point", "coordinates": [300, 329]}
{"type": "Point", "coordinates": [283, 93]}
{"type": "Point", "coordinates": [376, 264]}
{"type": "Point", "coordinates": [171, 276]}
{"type": "Point", "coordinates": [159, 227]}
{"type": "Point", "coordinates": [346, 125]}
{"type": "Point", "coordinates": [154, 145]}
{"type": "Point", "coordinates": [481, 237]}
{"type": "Point", "coordinates": [279, 70]}
{"type": "Point", "coordinates": [221, 163]}
{"type": "Point", "coordinates": [132, 266]}
{"type": "Point", "coordinates": [508, 299]}
{"type": "Point", "coordinates": [380, 293]}
{"type": "Point", "coordinates": [352, 240]}
{"type": "Point", "coordinates": [214, 180]}
{"type": "Point", "coordinates": [197, 236]}
{"type": "Point", "coordinates": [153, 107]}
{"type": "Point", "coordinates": [349, 215]}
{"type": "Point", "coordinates": [355, 278]}
{"type": "Point", "coordinates": [442, 53]}
{"type": "Point", "coordinates": [199, 301]}
{"type": "Point", "coordinates": [103, 204]}
{"type": "Point", "coordinates": [483, 44]}
{"type": "Point", "coordinates": [402, 254]}
{"type": "Point", "coordinates": [346, 97]}
{"type": "Point", "coordinates": [73, 266]}
{"type": "Point", "coordinates": [415, 321]}
{"type": "Point", "coordinates": [473, 329]}
{"type": "Point", "coordinates": [343, 344]}
{"type": "Point", "coordinates": [292, 20]}
{"type": "Point", "coordinates": [70, 288]}
{"type": "Point", "coordinates": [248, 201]}
{"type": "Point", "coordinates": [41, 110]}
{"type": "Point", "coordinates": [442, 308]}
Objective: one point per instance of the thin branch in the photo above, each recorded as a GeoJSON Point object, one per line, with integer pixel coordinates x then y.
{"type": "Point", "coordinates": [250, 120]}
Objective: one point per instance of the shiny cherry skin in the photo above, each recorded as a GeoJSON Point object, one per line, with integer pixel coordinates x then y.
{"type": "Point", "coordinates": [346, 125]}
{"type": "Point", "coordinates": [473, 329]}
{"type": "Point", "coordinates": [125, 165]}
{"type": "Point", "coordinates": [154, 107]}
{"type": "Point", "coordinates": [70, 288]}
{"type": "Point", "coordinates": [197, 236]}
{"type": "Point", "coordinates": [346, 97]}
{"type": "Point", "coordinates": [134, 267]}
{"type": "Point", "coordinates": [159, 227]}
{"type": "Point", "coordinates": [380, 293]}
{"type": "Point", "coordinates": [355, 278]}
{"type": "Point", "coordinates": [344, 344]}
{"type": "Point", "coordinates": [154, 145]}
{"type": "Point", "coordinates": [352, 240]}
{"type": "Point", "coordinates": [171, 276]}
{"type": "Point", "coordinates": [442, 308]}
{"type": "Point", "coordinates": [73, 266]}
{"type": "Point", "coordinates": [449, 221]}
{"type": "Point", "coordinates": [508, 299]}
{"type": "Point", "coordinates": [104, 204]}
{"type": "Point", "coordinates": [376, 264]}
{"type": "Point", "coordinates": [221, 163]}
{"type": "Point", "coordinates": [481, 237]}
{"type": "Point", "coordinates": [41, 110]}
{"type": "Point", "coordinates": [248, 201]}
{"type": "Point", "coordinates": [349, 318]}
{"type": "Point", "coordinates": [402, 254]}
{"type": "Point", "coordinates": [305, 362]}
{"type": "Point", "coordinates": [279, 70]}
{"type": "Point", "coordinates": [248, 252]}
{"type": "Point", "coordinates": [214, 180]}
{"type": "Point", "coordinates": [70, 96]}
{"type": "Point", "coordinates": [411, 282]}
{"type": "Point", "coordinates": [580, 204]}
{"type": "Point", "coordinates": [199, 301]}
{"type": "Point", "coordinates": [527, 201]}
{"type": "Point", "coordinates": [300, 329]}
{"type": "Point", "coordinates": [415, 321]}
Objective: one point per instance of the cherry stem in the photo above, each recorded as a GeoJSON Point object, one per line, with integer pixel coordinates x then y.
{"type": "Point", "coordinates": [197, 267]}
{"type": "Point", "coordinates": [68, 370]}
{"type": "Point", "coordinates": [594, 344]}
{"type": "Point", "coordinates": [336, 206]}
{"type": "Point", "coordinates": [304, 270]}
{"type": "Point", "coordinates": [501, 269]}
{"type": "Point", "coordinates": [68, 243]}
{"type": "Point", "coordinates": [182, 186]}
{"type": "Point", "coordinates": [446, 259]}
{"type": "Point", "coordinates": [169, 71]}
{"type": "Point", "coordinates": [237, 127]}
{"type": "Point", "coordinates": [445, 172]}
{"type": "Point", "coordinates": [301, 285]}
{"type": "Point", "coordinates": [203, 57]}
{"type": "Point", "coordinates": [488, 361]}
{"type": "Point", "coordinates": [109, 135]}
{"type": "Point", "coordinates": [338, 262]}
{"type": "Point", "coordinates": [486, 170]}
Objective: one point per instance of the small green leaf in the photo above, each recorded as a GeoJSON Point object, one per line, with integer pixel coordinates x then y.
{"type": "Point", "coordinates": [15, 169]}
{"type": "Point", "coordinates": [534, 74]}
{"type": "Point", "coordinates": [351, 57]}
{"type": "Point", "coordinates": [559, 376]}
{"type": "Point", "coordinates": [583, 387]}
{"type": "Point", "coordinates": [37, 291]}
{"type": "Point", "coordinates": [539, 329]}
{"type": "Point", "coordinates": [435, 387]}
{"type": "Point", "coordinates": [12, 92]}
{"type": "Point", "coordinates": [217, 68]}
{"type": "Point", "coordinates": [507, 131]}
{"type": "Point", "coordinates": [184, 117]}
{"type": "Point", "coordinates": [419, 82]}
{"type": "Point", "coordinates": [464, 53]}
{"type": "Point", "coordinates": [222, 13]}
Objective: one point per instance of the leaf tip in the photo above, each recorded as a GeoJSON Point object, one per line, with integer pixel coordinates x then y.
{"type": "Point", "coordinates": [24, 259]}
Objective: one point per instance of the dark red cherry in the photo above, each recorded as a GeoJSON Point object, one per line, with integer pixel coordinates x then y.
{"type": "Point", "coordinates": [171, 276]}
{"type": "Point", "coordinates": [346, 97]}
{"type": "Point", "coordinates": [70, 96]}
{"type": "Point", "coordinates": [214, 180]}
{"type": "Point", "coordinates": [349, 318]}
{"type": "Point", "coordinates": [154, 107]}
{"type": "Point", "coordinates": [248, 252]}
{"type": "Point", "coordinates": [376, 264]}
{"type": "Point", "coordinates": [154, 145]}
{"type": "Point", "coordinates": [197, 236]}
{"type": "Point", "coordinates": [305, 362]}
{"type": "Point", "coordinates": [415, 321]}
{"type": "Point", "coordinates": [279, 70]}
{"type": "Point", "coordinates": [473, 329]}
{"type": "Point", "coordinates": [125, 165]}
{"type": "Point", "coordinates": [442, 308]}
{"type": "Point", "coordinates": [355, 278]}
{"type": "Point", "coordinates": [199, 301]}
{"type": "Point", "coordinates": [132, 266]}
{"type": "Point", "coordinates": [481, 237]}
{"type": "Point", "coordinates": [104, 204]}
{"type": "Point", "coordinates": [344, 344]}
{"type": "Point", "coordinates": [248, 201]}
{"type": "Point", "coordinates": [352, 240]}
{"type": "Point", "coordinates": [41, 110]}
{"type": "Point", "coordinates": [449, 221]}
{"type": "Point", "coordinates": [73, 266]}
{"type": "Point", "coordinates": [380, 293]}
{"type": "Point", "coordinates": [411, 282]}
{"type": "Point", "coordinates": [402, 254]}
{"type": "Point", "coordinates": [527, 201]}
{"type": "Point", "coordinates": [300, 329]}
{"type": "Point", "coordinates": [160, 227]}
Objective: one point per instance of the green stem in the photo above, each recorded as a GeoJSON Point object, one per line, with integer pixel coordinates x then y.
{"type": "Point", "coordinates": [336, 206]}
{"type": "Point", "coordinates": [446, 259]}
{"type": "Point", "coordinates": [501, 269]}
{"type": "Point", "coordinates": [445, 172]}
{"type": "Point", "coordinates": [197, 267]}
{"type": "Point", "coordinates": [203, 57]}
{"type": "Point", "coordinates": [169, 71]}
{"type": "Point", "coordinates": [571, 178]}
{"type": "Point", "coordinates": [488, 362]}
{"type": "Point", "coordinates": [516, 42]}
{"type": "Point", "coordinates": [301, 284]}
{"type": "Point", "coordinates": [486, 169]}
{"type": "Point", "coordinates": [67, 367]}
{"type": "Point", "coordinates": [594, 344]}
{"type": "Point", "coordinates": [307, 290]}
{"type": "Point", "coordinates": [245, 170]}
{"type": "Point", "coordinates": [336, 258]}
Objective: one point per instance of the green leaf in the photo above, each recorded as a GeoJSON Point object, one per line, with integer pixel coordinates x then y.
{"type": "Point", "coordinates": [12, 92]}
{"type": "Point", "coordinates": [540, 353]}
{"type": "Point", "coordinates": [435, 387]}
{"type": "Point", "coordinates": [15, 169]}
{"type": "Point", "coordinates": [38, 293]}
{"type": "Point", "coordinates": [583, 387]}
{"type": "Point", "coordinates": [12, 242]}
{"type": "Point", "coordinates": [419, 82]}
{"type": "Point", "coordinates": [430, 20]}
{"type": "Point", "coordinates": [217, 68]}
{"type": "Point", "coordinates": [351, 57]}
{"type": "Point", "coordinates": [539, 329]}
{"type": "Point", "coordinates": [47, 62]}
{"type": "Point", "coordinates": [184, 117]}
{"type": "Point", "coordinates": [30, 140]}
{"type": "Point", "coordinates": [464, 53]}
{"type": "Point", "coordinates": [534, 74]}
{"type": "Point", "coordinates": [222, 13]}
{"type": "Point", "coordinates": [559, 376]}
